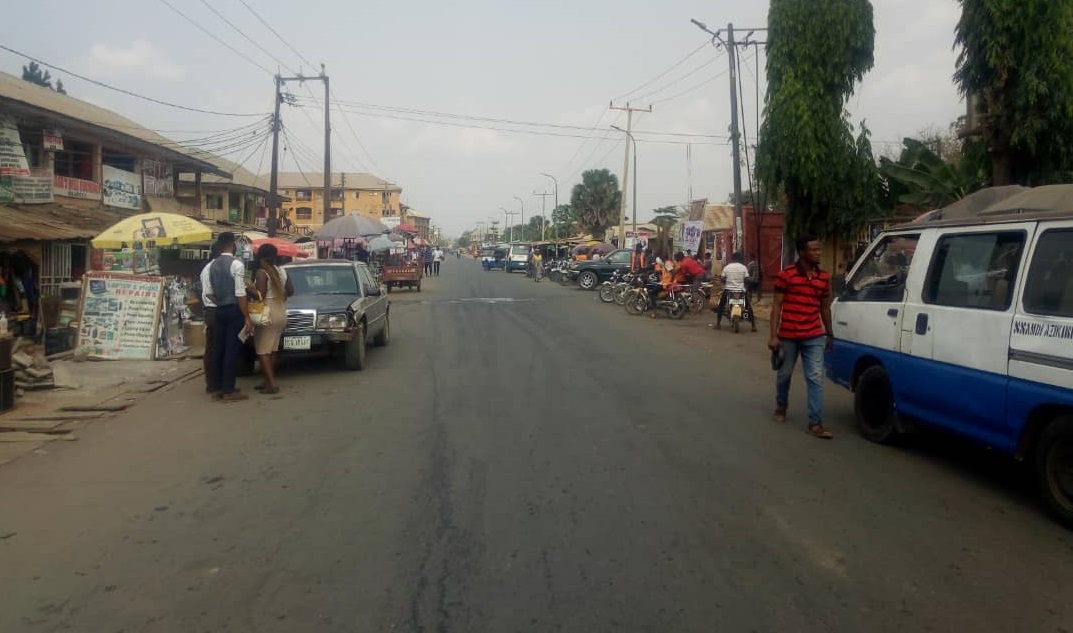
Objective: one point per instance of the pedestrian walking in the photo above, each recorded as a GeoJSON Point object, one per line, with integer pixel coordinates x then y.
{"type": "Point", "coordinates": [437, 259]}
{"type": "Point", "coordinates": [801, 326]}
{"type": "Point", "coordinates": [227, 289]}
{"type": "Point", "coordinates": [426, 253]}
{"type": "Point", "coordinates": [272, 283]}
{"type": "Point", "coordinates": [208, 358]}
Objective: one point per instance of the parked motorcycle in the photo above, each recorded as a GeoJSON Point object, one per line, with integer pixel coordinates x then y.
{"type": "Point", "coordinates": [674, 301]}
{"type": "Point", "coordinates": [607, 289]}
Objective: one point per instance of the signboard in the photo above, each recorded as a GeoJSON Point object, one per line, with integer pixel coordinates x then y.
{"type": "Point", "coordinates": [118, 316]}
{"type": "Point", "coordinates": [157, 179]}
{"type": "Point", "coordinates": [309, 248]}
{"type": "Point", "coordinates": [12, 156]}
{"type": "Point", "coordinates": [31, 189]}
{"type": "Point", "coordinates": [122, 189]}
{"type": "Point", "coordinates": [391, 222]}
{"type": "Point", "coordinates": [76, 188]}
{"type": "Point", "coordinates": [52, 140]}
{"type": "Point", "coordinates": [691, 234]}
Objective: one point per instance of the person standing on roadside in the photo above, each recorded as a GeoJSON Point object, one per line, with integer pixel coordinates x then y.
{"type": "Point", "coordinates": [208, 358]}
{"type": "Point", "coordinates": [227, 289]}
{"type": "Point", "coordinates": [801, 326]}
{"type": "Point", "coordinates": [437, 259]}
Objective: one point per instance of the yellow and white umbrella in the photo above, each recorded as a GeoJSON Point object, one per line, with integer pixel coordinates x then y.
{"type": "Point", "coordinates": [160, 229]}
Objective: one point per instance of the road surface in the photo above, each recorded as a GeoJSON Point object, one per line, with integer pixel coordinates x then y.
{"type": "Point", "coordinates": [521, 458]}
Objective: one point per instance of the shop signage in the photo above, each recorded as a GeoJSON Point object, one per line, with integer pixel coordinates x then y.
{"type": "Point", "coordinates": [119, 316]}
{"type": "Point", "coordinates": [31, 189]}
{"type": "Point", "coordinates": [691, 234]}
{"type": "Point", "coordinates": [52, 140]}
{"type": "Point", "coordinates": [158, 180]}
{"type": "Point", "coordinates": [391, 222]}
{"type": "Point", "coordinates": [12, 156]}
{"type": "Point", "coordinates": [122, 189]}
{"type": "Point", "coordinates": [76, 188]}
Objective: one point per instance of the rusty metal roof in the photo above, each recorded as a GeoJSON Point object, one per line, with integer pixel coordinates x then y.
{"type": "Point", "coordinates": [53, 222]}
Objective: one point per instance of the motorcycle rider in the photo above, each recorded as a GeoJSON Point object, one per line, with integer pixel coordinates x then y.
{"type": "Point", "coordinates": [689, 271]}
{"type": "Point", "coordinates": [733, 277]}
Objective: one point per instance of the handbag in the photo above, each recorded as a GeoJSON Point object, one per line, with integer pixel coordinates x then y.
{"type": "Point", "coordinates": [260, 314]}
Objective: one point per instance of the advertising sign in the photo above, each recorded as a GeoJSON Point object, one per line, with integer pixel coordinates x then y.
{"type": "Point", "coordinates": [12, 156]}
{"type": "Point", "coordinates": [31, 189]}
{"type": "Point", "coordinates": [691, 234]}
{"type": "Point", "coordinates": [75, 188]}
{"type": "Point", "coordinates": [391, 222]}
{"type": "Point", "coordinates": [118, 316]}
{"type": "Point", "coordinates": [52, 140]}
{"type": "Point", "coordinates": [122, 189]}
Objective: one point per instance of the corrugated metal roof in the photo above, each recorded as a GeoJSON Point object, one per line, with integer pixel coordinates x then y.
{"type": "Point", "coordinates": [53, 222]}
{"type": "Point", "coordinates": [71, 112]}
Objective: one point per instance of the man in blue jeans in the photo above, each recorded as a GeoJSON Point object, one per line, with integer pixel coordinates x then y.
{"type": "Point", "coordinates": [801, 325]}
{"type": "Point", "coordinates": [227, 289]}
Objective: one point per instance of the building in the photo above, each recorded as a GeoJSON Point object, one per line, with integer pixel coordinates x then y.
{"type": "Point", "coordinates": [351, 192]}
{"type": "Point", "coordinates": [238, 199]}
{"type": "Point", "coordinates": [70, 169]}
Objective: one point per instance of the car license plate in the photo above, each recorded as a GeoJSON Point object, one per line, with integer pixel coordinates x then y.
{"type": "Point", "coordinates": [296, 342]}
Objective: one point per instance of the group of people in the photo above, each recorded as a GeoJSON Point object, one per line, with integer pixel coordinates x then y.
{"type": "Point", "coordinates": [433, 258]}
{"type": "Point", "coordinates": [227, 297]}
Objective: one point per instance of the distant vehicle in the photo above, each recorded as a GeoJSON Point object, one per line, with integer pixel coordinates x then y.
{"type": "Point", "coordinates": [518, 257]}
{"type": "Point", "coordinates": [337, 307]}
{"type": "Point", "coordinates": [589, 274]}
{"type": "Point", "coordinates": [967, 325]}
{"type": "Point", "coordinates": [493, 257]}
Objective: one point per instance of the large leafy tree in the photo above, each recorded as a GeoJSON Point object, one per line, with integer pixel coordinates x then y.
{"type": "Point", "coordinates": [564, 220]}
{"type": "Point", "coordinates": [1014, 58]}
{"type": "Point", "coordinates": [597, 199]}
{"type": "Point", "coordinates": [34, 74]}
{"type": "Point", "coordinates": [818, 51]}
{"type": "Point", "coordinates": [922, 178]}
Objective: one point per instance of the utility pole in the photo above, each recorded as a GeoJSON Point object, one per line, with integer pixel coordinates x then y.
{"type": "Point", "coordinates": [273, 216]}
{"type": "Point", "coordinates": [731, 46]}
{"type": "Point", "coordinates": [626, 170]}
{"type": "Point", "coordinates": [521, 202]}
{"type": "Point", "coordinates": [543, 212]}
{"type": "Point", "coordinates": [273, 179]}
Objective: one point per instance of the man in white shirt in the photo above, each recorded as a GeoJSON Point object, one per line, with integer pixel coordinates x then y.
{"type": "Point", "coordinates": [437, 259]}
{"type": "Point", "coordinates": [227, 289]}
{"type": "Point", "coordinates": [208, 359]}
{"type": "Point", "coordinates": [733, 277]}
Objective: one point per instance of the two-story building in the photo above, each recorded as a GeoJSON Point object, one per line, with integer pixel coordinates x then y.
{"type": "Point", "coordinates": [241, 198]}
{"type": "Point", "coordinates": [350, 192]}
{"type": "Point", "coordinates": [69, 170]}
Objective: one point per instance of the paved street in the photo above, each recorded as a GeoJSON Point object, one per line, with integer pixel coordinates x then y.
{"type": "Point", "coordinates": [520, 458]}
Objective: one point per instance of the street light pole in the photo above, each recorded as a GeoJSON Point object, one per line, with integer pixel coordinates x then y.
{"type": "Point", "coordinates": [506, 221]}
{"type": "Point", "coordinates": [522, 202]}
{"type": "Point", "coordinates": [555, 226]}
{"type": "Point", "coordinates": [634, 142]}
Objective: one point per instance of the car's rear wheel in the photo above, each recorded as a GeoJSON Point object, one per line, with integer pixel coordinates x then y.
{"type": "Point", "coordinates": [587, 280]}
{"type": "Point", "coordinates": [1054, 468]}
{"type": "Point", "coordinates": [354, 358]}
{"type": "Point", "coordinates": [873, 405]}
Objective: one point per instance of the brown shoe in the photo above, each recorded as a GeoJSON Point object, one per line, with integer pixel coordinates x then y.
{"type": "Point", "coordinates": [779, 415]}
{"type": "Point", "coordinates": [817, 430]}
{"type": "Point", "coordinates": [233, 396]}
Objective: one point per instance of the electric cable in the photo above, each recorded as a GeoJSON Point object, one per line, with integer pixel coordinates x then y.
{"type": "Point", "coordinates": [216, 37]}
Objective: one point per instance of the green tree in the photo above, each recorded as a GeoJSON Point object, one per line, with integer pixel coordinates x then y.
{"type": "Point", "coordinates": [596, 199]}
{"type": "Point", "coordinates": [564, 221]}
{"type": "Point", "coordinates": [34, 74]}
{"type": "Point", "coordinates": [1014, 59]}
{"type": "Point", "coordinates": [921, 178]}
{"type": "Point", "coordinates": [818, 50]}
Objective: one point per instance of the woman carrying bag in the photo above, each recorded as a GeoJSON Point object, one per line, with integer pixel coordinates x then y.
{"type": "Point", "coordinates": [273, 286]}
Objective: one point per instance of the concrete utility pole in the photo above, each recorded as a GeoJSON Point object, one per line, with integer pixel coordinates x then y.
{"type": "Point", "coordinates": [556, 182]}
{"type": "Point", "coordinates": [731, 46]}
{"type": "Point", "coordinates": [543, 212]}
{"type": "Point", "coordinates": [626, 171]}
{"type": "Point", "coordinates": [521, 202]}
{"type": "Point", "coordinates": [273, 181]}
{"type": "Point", "coordinates": [633, 141]}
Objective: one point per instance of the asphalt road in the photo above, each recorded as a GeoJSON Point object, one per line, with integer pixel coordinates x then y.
{"type": "Point", "coordinates": [521, 458]}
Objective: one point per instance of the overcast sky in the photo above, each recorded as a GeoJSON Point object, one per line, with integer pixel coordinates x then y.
{"type": "Point", "coordinates": [432, 88]}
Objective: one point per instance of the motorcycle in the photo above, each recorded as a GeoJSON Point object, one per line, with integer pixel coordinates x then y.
{"type": "Point", "coordinates": [736, 309]}
{"type": "Point", "coordinates": [607, 289]}
{"type": "Point", "coordinates": [675, 301]}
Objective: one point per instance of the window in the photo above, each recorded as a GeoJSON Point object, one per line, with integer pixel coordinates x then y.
{"type": "Point", "coordinates": [368, 283]}
{"type": "Point", "coordinates": [337, 194]}
{"type": "Point", "coordinates": [883, 271]}
{"type": "Point", "coordinates": [304, 213]}
{"type": "Point", "coordinates": [621, 257]}
{"type": "Point", "coordinates": [323, 280]}
{"type": "Point", "coordinates": [305, 195]}
{"type": "Point", "coordinates": [75, 161]}
{"type": "Point", "coordinates": [357, 194]}
{"type": "Point", "coordinates": [337, 213]}
{"type": "Point", "coordinates": [974, 270]}
{"type": "Point", "coordinates": [214, 201]}
{"type": "Point", "coordinates": [1049, 290]}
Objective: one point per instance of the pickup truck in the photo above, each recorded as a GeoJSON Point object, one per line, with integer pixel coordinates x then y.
{"type": "Point", "coordinates": [338, 306]}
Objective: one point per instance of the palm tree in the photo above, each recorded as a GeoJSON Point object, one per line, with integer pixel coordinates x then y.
{"type": "Point", "coordinates": [597, 199]}
{"type": "Point", "coordinates": [921, 178]}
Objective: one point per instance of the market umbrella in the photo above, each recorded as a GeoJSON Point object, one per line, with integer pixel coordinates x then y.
{"type": "Point", "coordinates": [381, 243]}
{"type": "Point", "coordinates": [603, 248]}
{"type": "Point", "coordinates": [285, 248]}
{"type": "Point", "coordinates": [350, 227]}
{"type": "Point", "coordinates": [581, 249]}
{"type": "Point", "coordinates": [164, 229]}
{"type": "Point", "coordinates": [395, 237]}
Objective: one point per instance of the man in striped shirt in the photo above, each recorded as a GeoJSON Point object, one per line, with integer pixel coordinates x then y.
{"type": "Point", "coordinates": [801, 325]}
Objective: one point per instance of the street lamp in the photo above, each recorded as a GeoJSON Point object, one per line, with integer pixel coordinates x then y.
{"type": "Point", "coordinates": [522, 202]}
{"type": "Point", "coordinates": [556, 202]}
{"type": "Point", "coordinates": [506, 221]}
{"type": "Point", "coordinates": [634, 141]}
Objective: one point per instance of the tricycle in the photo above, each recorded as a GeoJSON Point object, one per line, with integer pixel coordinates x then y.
{"type": "Point", "coordinates": [402, 270]}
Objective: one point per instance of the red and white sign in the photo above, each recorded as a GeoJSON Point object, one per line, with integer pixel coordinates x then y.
{"type": "Point", "coordinates": [76, 188]}
{"type": "Point", "coordinates": [52, 140]}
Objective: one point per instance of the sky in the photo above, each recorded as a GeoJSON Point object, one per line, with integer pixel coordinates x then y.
{"type": "Point", "coordinates": [465, 104]}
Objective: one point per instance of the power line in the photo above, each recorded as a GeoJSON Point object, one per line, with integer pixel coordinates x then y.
{"type": "Point", "coordinates": [581, 145]}
{"type": "Point", "coordinates": [276, 33]}
{"type": "Point", "coordinates": [246, 37]}
{"type": "Point", "coordinates": [215, 37]}
{"type": "Point", "coordinates": [693, 89]}
{"type": "Point", "coordinates": [676, 81]}
{"type": "Point", "coordinates": [123, 91]}
{"type": "Point", "coordinates": [353, 132]}
{"type": "Point", "coordinates": [664, 73]}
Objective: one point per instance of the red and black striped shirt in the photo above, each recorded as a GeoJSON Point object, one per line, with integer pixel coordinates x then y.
{"type": "Point", "coordinates": [803, 294]}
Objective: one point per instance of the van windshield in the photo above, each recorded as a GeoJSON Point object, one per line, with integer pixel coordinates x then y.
{"type": "Point", "coordinates": [522, 249]}
{"type": "Point", "coordinates": [885, 267]}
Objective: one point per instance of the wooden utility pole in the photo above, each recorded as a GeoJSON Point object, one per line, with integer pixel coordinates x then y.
{"type": "Point", "coordinates": [626, 170]}
{"type": "Point", "coordinates": [277, 124]}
